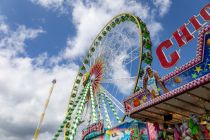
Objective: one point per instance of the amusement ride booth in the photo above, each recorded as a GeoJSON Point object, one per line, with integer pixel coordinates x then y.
{"type": "Point", "coordinates": [177, 106]}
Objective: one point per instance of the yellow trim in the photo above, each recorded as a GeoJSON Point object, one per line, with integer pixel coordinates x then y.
{"type": "Point", "coordinates": [140, 57]}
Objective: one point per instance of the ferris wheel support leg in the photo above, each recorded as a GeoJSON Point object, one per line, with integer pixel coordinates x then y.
{"type": "Point", "coordinates": [70, 111]}
{"type": "Point", "coordinates": [107, 119]}
{"type": "Point", "coordinates": [69, 120]}
{"type": "Point", "coordinates": [112, 108]}
{"type": "Point", "coordinates": [114, 100]}
{"type": "Point", "coordinates": [93, 105]}
{"type": "Point", "coordinates": [81, 106]}
{"type": "Point", "coordinates": [98, 98]}
{"type": "Point", "coordinates": [70, 107]}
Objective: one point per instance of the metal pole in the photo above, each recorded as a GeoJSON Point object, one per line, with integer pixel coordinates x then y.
{"type": "Point", "coordinates": [36, 134]}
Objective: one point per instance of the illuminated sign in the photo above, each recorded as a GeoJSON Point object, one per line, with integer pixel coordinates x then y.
{"type": "Point", "coordinates": [182, 37]}
{"type": "Point", "coordinates": [93, 130]}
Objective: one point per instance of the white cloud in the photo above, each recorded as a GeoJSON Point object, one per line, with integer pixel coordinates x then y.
{"type": "Point", "coordinates": [12, 43]}
{"type": "Point", "coordinates": [24, 87]}
{"type": "Point", "coordinates": [4, 28]}
{"type": "Point", "coordinates": [51, 4]}
{"type": "Point", "coordinates": [155, 28]}
{"type": "Point", "coordinates": [120, 71]}
{"type": "Point", "coordinates": [90, 18]}
{"type": "Point", "coordinates": [41, 59]}
{"type": "Point", "coordinates": [163, 6]}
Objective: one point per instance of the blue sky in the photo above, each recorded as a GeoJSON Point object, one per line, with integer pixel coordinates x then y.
{"type": "Point", "coordinates": [34, 16]}
{"type": "Point", "coordinates": [58, 24]}
{"type": "Point", "coordinates": [44, 39]}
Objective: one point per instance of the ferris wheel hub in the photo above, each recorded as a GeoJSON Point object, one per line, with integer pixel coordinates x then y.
{"type": "Point", "coordinates": [92, 78]}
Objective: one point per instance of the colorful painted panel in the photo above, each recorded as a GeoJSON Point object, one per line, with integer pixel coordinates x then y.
{"type": "Point", "coordinates": [93, 130]}
{"type": "Point", "coordinates": [133, 130]}
{"type": "Point", "coordinates": [189, 76]}
{"type": "Point", "coordinates": [152, 131]}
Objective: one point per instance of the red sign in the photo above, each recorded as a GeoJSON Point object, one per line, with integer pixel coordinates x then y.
{"type": "Point", "coordinates": [182, 37]}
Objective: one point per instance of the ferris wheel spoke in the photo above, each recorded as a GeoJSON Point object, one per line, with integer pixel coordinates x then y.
{"type": "Point", "coordinates": [87, 68]}
{"type": "Point", "coordinates": [117, 79]}
{"type": "Point", "coordinates": [99, 106]}
{"type": "Point", "coordinates": [134, 53]}
{"type": "Point", "coordinates": [131, 52]}
{"type": "Point", "coordinates": [131, 58]}
{"type": "Point", "coordinates": [113, 99]}
{"type": "Point", "coordinates": [125, 39]}
{"type": "Point", "coordinates": [130, 61]}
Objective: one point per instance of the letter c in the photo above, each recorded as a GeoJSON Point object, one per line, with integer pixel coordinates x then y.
{"type": "Point", "coordinates": [161, 55]}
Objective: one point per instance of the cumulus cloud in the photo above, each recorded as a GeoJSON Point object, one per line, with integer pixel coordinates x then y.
{"type": "Point", "coordinates": [163, 6]}
{"type": "Point", "coordinates": [89, 16]}
{"type": "Point", "coordinates": [120, 71]}
{"type": "Point", "coordinates": [3, 27]}
{"type": "Point", "coordinates": [52, 4]}
{"type": "Point", "coordinates": [24, 87]}
{"type": "Point", "coordinates": [12, 42]}
{"type": "Point", "coordinates": [155, 28]}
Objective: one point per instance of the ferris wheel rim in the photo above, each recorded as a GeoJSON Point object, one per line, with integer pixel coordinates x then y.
{"type": "Point", "coordinates": [91, 50]}
{"type": "Point", "coordinates": [80, 73]}
{"type": "Point", "coordinates": [137, 21]}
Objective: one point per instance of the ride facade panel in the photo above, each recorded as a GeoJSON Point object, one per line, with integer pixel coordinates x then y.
{"type": "Point", "coordinates": [126, 131]}
{"type": "Point", "coordinates": [188, 77]}
{"type": "Point", "coordinates": [177, 106]}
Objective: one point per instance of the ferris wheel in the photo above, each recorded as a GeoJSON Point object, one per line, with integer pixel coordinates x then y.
{"type": "Point", "coordinates": [110, 72]}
